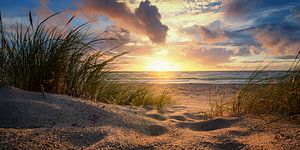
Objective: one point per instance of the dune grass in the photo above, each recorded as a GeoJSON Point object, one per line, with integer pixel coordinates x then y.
{"type": "Point", "coordinates": [65, 60]}
{"type": "Point", "coordinates": [135, 95]}
{"type": "Point", "coordinates": [278, 96]}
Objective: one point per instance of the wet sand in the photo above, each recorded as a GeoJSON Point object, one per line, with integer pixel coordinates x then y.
{"type": "Point", "coordinates": [30, 120]}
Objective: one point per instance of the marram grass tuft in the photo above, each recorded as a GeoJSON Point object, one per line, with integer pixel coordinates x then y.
{"type": "Point", "coordinates": [278, 96]}
{"type": "Point", "coordinates": [65, 60]}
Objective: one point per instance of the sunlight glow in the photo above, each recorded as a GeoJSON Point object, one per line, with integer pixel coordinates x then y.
{"type": "Point", "coordinates": [160, 64]}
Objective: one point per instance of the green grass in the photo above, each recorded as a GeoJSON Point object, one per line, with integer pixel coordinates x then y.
{"type": "Point", "coordinates": [65, 60]}
{"type": "Point", "coordinates": [264, 97]}
{"type": "Point", "coordinates": [135, 95]}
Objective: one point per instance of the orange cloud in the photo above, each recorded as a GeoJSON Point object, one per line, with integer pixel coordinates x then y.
{"type": "Point", "coordinates": [276, 42]}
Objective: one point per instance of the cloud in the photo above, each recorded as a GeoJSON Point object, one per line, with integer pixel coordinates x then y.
{"type": "Point", "coordinates": [238, 8]}
{"type": "Point", "coordinates": [276, 42]}
{"type": "Point", "coordinates": [44, 11]}
{"type": "Point", "coordinates": [132, 1]}
{"type": "Point", "coordinates": [117, 35]}
{"type": "Point", "coordinates": [214, 56]}
{"type": "Point", "coordinates": [195, 7]}
{"type": "Point", "coordinates": [293, 57]}
{"type": "Point", "coordinates": [150, 18]}
{"type": "Point", "coordinates": [253, 50]}
{"type": "Point", "coordinates": [295, 15]}
{"type": "Point", "coordinates": [211, 36]}
{"type": "Point", "coordinates": [210, 56]}
{"type": "Point", "coordinates": [145, 20]}
{"type": "Point", "coordinates": [212, 33]}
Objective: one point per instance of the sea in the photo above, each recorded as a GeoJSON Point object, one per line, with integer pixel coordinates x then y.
{"type": "Point", "coordinates": [194, 77]}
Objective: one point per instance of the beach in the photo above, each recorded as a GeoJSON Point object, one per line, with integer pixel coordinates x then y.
{"type": "Point", "coordinates": [31, 120]}
{"type": "Point", "coordinates": [150, 74]}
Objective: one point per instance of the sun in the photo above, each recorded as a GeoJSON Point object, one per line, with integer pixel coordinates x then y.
{"type": "Point", "coordinates": [160, 65]}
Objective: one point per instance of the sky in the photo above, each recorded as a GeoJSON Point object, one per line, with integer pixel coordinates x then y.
{"type": "Point", "coordinates": [181, 35]}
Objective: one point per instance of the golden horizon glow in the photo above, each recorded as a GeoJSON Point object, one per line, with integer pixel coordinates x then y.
{"type": "Point", "coordinates": [161, 65]}
{"type": "Point", "coordinates": [163, 59]}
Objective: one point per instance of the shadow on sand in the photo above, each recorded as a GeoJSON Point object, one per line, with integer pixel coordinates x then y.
{"type": "Point", "coordinates": [208, 125]}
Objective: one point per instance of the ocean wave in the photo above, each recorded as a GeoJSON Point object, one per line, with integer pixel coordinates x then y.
{"type": "Point", "coordinates": [192, 77]}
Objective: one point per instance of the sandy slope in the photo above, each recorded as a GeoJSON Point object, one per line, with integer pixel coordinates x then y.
{"type": "Point", "coordinates": [30, 120]}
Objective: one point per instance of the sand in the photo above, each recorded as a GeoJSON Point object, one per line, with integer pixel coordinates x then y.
{"type": "Point", "coordinates": [29, 120]}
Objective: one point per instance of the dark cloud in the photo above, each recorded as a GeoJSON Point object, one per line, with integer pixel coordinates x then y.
{"type": "Point", "coordinates": [117, 11]}
{"type": "Point", "coordinates": [145, 20]}
{"type": "Point", "coordinates": [237, 8]}
{"type": "Point", "coordinates": [150, 17]}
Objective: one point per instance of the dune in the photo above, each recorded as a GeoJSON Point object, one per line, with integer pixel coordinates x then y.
{"type": "Point", "coordinates": [31, 120]}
